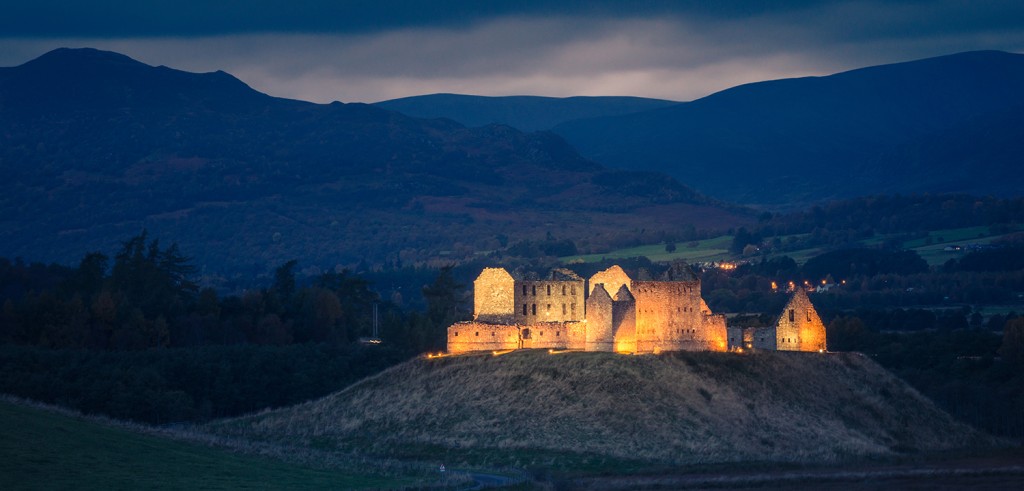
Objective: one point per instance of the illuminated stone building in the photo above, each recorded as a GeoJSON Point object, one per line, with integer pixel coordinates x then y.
{"type": "Point", "coordinates": [798, 328]}
{"type": "Point", "coordinates": [610, 312]}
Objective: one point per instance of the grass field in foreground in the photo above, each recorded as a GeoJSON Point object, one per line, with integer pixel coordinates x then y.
{"type": "Point", "coordinates": [41, 449]}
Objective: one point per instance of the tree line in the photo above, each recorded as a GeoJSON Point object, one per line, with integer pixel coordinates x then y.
{"type": "Point", "coordinates": [146, 298]}
{"type": "Point", "coordinates": [135, 338]}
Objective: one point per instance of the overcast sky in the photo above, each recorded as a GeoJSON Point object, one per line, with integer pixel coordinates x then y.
{"type": "Point", "coordinates": [366, 51]}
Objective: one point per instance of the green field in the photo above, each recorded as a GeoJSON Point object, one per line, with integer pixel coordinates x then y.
{"type": "Point", "coordinates": [717, 249]}
{"type": "Point", "coordinates": [42, 449]}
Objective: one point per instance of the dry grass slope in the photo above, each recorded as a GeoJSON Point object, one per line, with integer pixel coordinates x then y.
{"type": "Point", "coordinates": [679, 408]}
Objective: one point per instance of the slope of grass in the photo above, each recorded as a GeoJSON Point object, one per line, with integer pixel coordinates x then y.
{"type": "Point", "coordinates": [617, 412]}
{"type": "Point", "coordinates": [43, 449]}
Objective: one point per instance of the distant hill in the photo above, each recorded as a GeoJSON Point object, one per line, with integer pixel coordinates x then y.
{"type": "Point", "coordinates": [529, 407]}
{"type": "Point", "coordinates": [95, 146]}
{"type": "Point", "coordinates": [527, 113]}
{"type": "Point", "coordinates": [948, 124]}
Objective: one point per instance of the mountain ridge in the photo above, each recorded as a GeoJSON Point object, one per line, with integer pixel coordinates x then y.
{"type": "Point", "coordinates": [239, 177]}
{"type": "Point", "coordinates": [886, 128]}
{"type": "Point", "coordinates": [527, 113]}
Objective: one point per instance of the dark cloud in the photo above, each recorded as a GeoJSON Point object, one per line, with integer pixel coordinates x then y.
{"type": "Point", "coordinates": [368, 51]}
{"type": "Point", "coordinates": [119, 18]}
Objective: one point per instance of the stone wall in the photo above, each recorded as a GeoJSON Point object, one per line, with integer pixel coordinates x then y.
{"type": "Point", "coordinates": [477, 336]}
{"type": "Point", "coordinates": [493, 297]}
{"type": "Point", "coordinates": [671, 316]}
{"type": "Point", "coordinates": [554, 335]}
{"type": "Point", "coordinates": [765, 338]}
{"type": "Point", "coordinates": [549, 301]}
{"type": "Point", "coordinates": [612, 278]}
{"type": "Point", "coordinates": [735, 338]}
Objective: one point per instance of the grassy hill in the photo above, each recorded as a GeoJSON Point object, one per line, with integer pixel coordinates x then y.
{"type": "Point", "coordinates": [43, 449]}
{"type": "Point", "coordinates": [580, 410]}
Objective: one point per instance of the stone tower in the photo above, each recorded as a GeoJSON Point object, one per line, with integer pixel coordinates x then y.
{"type": "Point", "coordinates": [611, 322]}
{"type": "Point", "coordinates": [493, 299]}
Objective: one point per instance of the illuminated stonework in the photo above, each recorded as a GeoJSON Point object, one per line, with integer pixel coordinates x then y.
{"type": "Point", "coordinates": [798, 328]}
{"type": "Point", "coordinates": [562, 312]}
{"type": "Point", "coordinates": [493, 301]}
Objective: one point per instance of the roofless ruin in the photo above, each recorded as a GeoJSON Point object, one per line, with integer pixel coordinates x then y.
{"type": "Point", "coordinates": [614, 312]}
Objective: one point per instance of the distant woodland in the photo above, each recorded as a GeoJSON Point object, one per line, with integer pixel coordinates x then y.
{"type": "Point", "coordinates": [133, 335]}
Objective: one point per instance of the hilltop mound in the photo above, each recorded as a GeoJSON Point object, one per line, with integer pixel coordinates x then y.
{"type": "Point", "coordinates": [679, 408]}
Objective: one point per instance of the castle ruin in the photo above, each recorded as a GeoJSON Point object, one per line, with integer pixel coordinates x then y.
{"type": "Point", "coordinates": [611, 312]}
{"type": "Point", "coordinates": [614, 312]}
